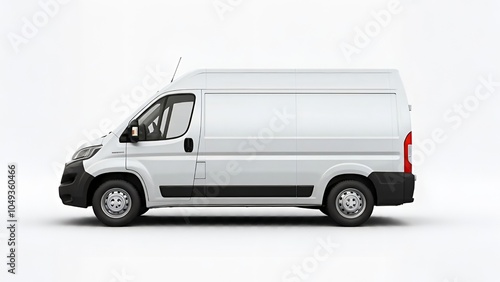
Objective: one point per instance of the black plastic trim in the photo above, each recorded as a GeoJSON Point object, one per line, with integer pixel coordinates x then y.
{"type": "Point", "coordinates": [180, 191]}
{"type": "Point", "coordinates": [304, 190]}
{"type": "Point", "coordinates": [230, 191]}
{"type": "Point", "coordinates": [393, 188]}
{"type": "Point", "coordinates": [75, 183]}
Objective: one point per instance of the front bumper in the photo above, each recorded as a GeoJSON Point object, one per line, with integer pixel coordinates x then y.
{"type": "Point", "coordinates": [74, 185]}
{"type": "Point", "coordinates": [393, 188]}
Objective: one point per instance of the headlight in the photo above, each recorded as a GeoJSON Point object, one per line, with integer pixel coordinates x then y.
{"type": "Point", "coordinates": [85, 153]}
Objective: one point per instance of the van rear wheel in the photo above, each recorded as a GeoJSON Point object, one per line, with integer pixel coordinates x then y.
{"type": "Point", "coordinates": [350, 203]}
{"type": "Point", "coordinates": [116, 203]}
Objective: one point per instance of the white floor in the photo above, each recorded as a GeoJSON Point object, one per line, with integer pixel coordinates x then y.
{"type": "Point", "coordinates": [434, 239]}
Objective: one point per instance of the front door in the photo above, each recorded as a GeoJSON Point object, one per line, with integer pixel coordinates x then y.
{"type": "Point", "coordinates": [165, 155]}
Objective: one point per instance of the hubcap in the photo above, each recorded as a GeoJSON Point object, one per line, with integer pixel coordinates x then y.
{"type": "Point", "coordinates": [116, 203]}
{"type": "Point", "coordinates": [350, 203]}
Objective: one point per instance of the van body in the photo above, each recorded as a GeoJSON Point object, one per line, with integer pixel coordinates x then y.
{"type": "Point", "coordinates": [335, 140]}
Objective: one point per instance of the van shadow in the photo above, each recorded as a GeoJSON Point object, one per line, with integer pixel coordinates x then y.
{"type": "Point", "coordinates": [292, 221]}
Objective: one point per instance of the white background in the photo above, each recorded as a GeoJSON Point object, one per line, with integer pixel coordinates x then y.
{"type": "Point", "coordinates": [83, 68]}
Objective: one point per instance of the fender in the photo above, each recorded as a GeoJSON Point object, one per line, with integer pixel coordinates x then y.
{"type": "Point", "coordinates": [345, 168]}
{"type": "Point", "coordinates": [143, 173]}
{"type": "Point", "coordinates": [114, 165]}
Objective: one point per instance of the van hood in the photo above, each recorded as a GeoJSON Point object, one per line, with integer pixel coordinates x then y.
{"type": "Point", "coordinates": [95, 142]}
{"type": "Point", "coordinates": [98, 141]}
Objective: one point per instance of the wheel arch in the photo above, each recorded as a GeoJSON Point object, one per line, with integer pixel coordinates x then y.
{"type": "Point", "coordinates": [349, 176]}
{"type": "Point", "coordinates": [127, 176]}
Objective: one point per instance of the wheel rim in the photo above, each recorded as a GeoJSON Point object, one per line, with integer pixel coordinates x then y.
{"type": "Point", "coordinates": [350, 203]}
{"type": "Point", "coordinates": [116, 203]}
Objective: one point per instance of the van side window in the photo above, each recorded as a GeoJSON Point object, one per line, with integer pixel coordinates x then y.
{"type": "Point", "coordinates": [179, 118]}
{"type": "Point", "coordinates": [168, 118]}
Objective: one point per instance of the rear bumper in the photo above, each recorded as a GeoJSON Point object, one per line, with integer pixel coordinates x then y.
{"type": "Point", "coordinates": [393, 188]}
{"type": "Point", "coordinates": [74, 185]}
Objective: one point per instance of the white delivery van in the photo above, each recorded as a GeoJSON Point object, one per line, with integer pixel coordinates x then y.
{"type": "Point", "coordinates": [335, 140]}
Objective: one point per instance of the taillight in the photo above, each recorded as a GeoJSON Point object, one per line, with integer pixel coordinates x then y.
{"type": "Point", "coordinates": [407, 152]}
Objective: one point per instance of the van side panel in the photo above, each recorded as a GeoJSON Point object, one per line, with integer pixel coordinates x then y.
{"type": "Point", "coordinates": [249, 140]}
{"type": "Point", "coordinates": [341, 131]}
{"type": "Point", "coordinates": [404, 120]}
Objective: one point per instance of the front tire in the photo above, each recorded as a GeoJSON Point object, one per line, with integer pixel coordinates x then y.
{"type": "Point", "coordinates": [350, 203]}
{"type": "Point", "coordinates": [116, 203]}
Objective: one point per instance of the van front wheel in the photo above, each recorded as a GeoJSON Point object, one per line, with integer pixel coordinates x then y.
{"type": "Point", "coordinates": [350, 203]}
{"type": "Point", "coordinates": [116, 203]}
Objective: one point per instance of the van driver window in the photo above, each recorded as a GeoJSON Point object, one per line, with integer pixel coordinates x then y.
{"type": "Point", "coordinates": [167, 118]}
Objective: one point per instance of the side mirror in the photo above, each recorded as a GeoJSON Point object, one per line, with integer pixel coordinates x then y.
{"type": "Point", "coordinates": [133, 133]}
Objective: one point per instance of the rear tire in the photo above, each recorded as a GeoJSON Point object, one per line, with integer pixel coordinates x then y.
{"type": "Point", "coordinates": [116, 203]}
{"type": "Point", "coordinates": [350, 203]}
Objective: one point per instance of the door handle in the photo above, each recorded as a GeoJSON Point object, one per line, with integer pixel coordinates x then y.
{"type": "Point", "coordinates": [188, 145]}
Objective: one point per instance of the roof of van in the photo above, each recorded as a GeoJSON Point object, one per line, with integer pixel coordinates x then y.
{"type": "Point", "coordinates": [248, 79]}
